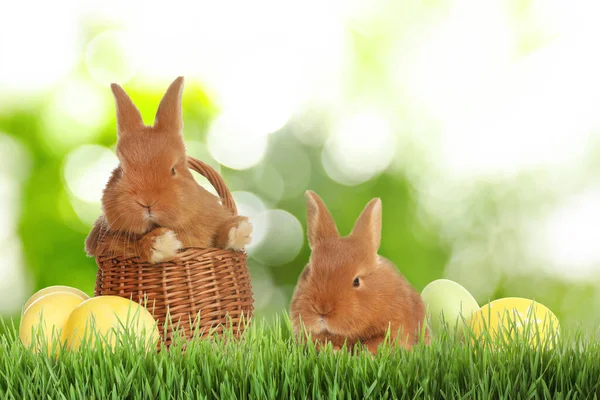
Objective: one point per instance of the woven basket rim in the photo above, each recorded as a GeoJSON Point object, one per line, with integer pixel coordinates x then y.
{"type": "Point", "coordinates": [227, 253]}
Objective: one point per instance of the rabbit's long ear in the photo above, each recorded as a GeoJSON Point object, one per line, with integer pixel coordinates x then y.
{"type": "Point", "coordinates": [169, 115]}
{"type": "Point", "coordinates": [128, 116]}
{"type": "Point", "coordinates": [368, 225]}
{"type": "Point", "coordinates": [320, 223]}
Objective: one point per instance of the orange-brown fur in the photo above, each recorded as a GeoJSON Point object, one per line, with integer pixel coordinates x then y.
{"type": "Point", "coordinates": [153, 171]}
{"type": "Point", "coordinates": [384, 298]}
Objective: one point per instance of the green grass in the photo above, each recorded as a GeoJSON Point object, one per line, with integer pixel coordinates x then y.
{"type": "Point", "coordinates": [267, 364]}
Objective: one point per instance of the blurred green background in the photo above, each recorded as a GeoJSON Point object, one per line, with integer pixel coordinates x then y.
{"type": "Point", "coordinates": [476, 123]}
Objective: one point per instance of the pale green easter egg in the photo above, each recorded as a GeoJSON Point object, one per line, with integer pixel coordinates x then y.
{"type": "Point", "coordinates": [449, 305]}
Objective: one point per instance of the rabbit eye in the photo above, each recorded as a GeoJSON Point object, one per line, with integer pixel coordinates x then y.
{"type": "Point", "coordinates": [173, 172]}
{"type": "Point", "coordinates": [356, 282]}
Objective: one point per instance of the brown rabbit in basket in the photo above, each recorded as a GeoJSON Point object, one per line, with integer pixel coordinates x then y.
{"type": "Point", "coordinates": [152, 206]}
{"type": "Point", "coordinates": [347, 292]}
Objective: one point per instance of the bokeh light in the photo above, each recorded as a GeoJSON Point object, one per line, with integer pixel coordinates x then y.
{"type": "Point", "coordinates": [289, 166]}
{"type": "Point", "coordinates": [467, 267]}
{"type": "Point", "coordinates": [112, 56]}
{"type": "Point", "coordinates": [10, 197]}
{"type": "Point", "coordinates": [359, 148]}
{"type": "Point", "coordinates": [308, 127]}
{"type": "Point", "coordinates": [234, 144]}
{"type": "Point", "coordinates": [14, 170]}
{"type": "Point", "coordinates": [452, 64]}
{"type": "Point", "coordinates": [24, 71]}
{"type": "Point", "coordinates": [269, 183]}
{"type": "Point", "coordinates": [87, 169]}
{"type": "Point", "coordinates": [16, 159]}
{"type": "Point", "coordinates": [278, 302]}
{"type": "Point", "coordinates": [282, 237]}
{"type": "Point", "coordinates": [269, 298]}
{"type": "Point", "coordinates": [262, 285]}
{"type": "Point", "coordinates": [74, 115]}
{"type": "Point", "coordinates": [15, 283]}
{"type": "Point", "coordinates": [554, 244]}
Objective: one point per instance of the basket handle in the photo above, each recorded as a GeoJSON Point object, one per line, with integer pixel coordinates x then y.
{"type": "Point", "coordinates": [215, 180]}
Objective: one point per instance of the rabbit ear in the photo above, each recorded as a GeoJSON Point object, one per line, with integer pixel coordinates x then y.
{"type": "Point", "coordinates": [320, 223]}
{"type": "Point", "coordinates": [368, 224]}
{"type": "Point", "coordinates": [128, 116]}
{"type": "Point", "coordinates": [169, 115]}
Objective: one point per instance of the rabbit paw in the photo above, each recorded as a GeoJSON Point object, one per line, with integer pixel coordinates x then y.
{"type": "Point", "coordinates": [165, 246]}
{"type": "Point", "coordinates": [239, 236]}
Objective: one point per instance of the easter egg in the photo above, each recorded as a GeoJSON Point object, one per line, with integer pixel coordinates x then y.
{"type": "Point", "coordinates": [109, 319]}
{"type": "Point", "coordinates": [45, 318]}
{"type": "Point", "coordinates": [512, 316]}
{"type": "Point", "coordinates": [52, 289]}
{"type": "Point", "coordinates": [447, 304]}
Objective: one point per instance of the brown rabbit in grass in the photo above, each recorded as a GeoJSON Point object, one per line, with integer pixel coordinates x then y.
{"type": "Point", "coordinates": [152, 206]}
{"type": "Point", "coordinates": [347, 292]}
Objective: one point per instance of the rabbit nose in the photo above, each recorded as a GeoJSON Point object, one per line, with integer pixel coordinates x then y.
{"type": "Point", "coordinates": [325, 309]}
{"type": "Point", "coordinates": [146, 202]}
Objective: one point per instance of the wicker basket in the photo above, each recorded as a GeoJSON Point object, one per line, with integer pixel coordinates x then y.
{"type": "Point", "coordinates": [210, 284]}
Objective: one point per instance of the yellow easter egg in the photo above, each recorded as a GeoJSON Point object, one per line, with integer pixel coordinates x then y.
{"type": "Point", "coordinates": [52, 289]}
{"type": "Point", "coordinates": [45, 318]}
{"type": "Point", "coordinates": [110, 319]}
{"type": "Point", "coordinates": [514, 316]}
